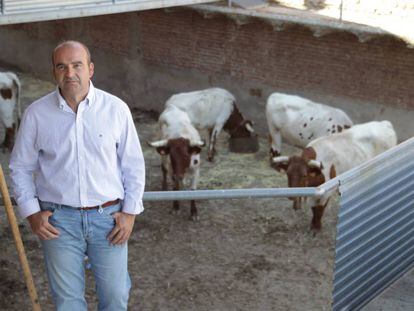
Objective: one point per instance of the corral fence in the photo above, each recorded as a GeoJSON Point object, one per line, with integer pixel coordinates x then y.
{"type": "Point", "coordinates": [375, 228]}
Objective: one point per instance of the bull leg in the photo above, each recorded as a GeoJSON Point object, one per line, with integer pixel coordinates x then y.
{"type": "Point", "coordinates": [8, 139]}
{"type": "Point", "coordinates": [212, 147]}
{"type": "Point", "coordinates": [211, 144]}
{"type": "Point", "coordinates": [297, 203]}
{"type": "Point", "coordinates": [164, 178]}
{"type": "Point", "coordinates": [194, 213]}
{"type": "Point", "coordinates": [194, 181]}
{"type": "Point", "coordinates": [176, 204]}
{"type": "Point", "coordinates": [317, 211]}
{"type": "Point", "coordinates": [275, 140]}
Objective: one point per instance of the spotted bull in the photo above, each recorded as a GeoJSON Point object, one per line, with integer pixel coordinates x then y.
{"type": "Point", "coordinates": [329, 156]}
{"type": "Point", "coordinates": [213, 109]}
{"type": "Point", "coordinates": [9, 106]}
{"type": "Point", "coordinates": [300, 120]}
{"type": "Point", "coordinates": [180, 149]}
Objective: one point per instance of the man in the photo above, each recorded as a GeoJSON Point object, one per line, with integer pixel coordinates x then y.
{"type": "Point", "coordinates": [78, 175]}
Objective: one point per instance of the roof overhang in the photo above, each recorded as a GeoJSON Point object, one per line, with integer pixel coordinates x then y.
{"type": "Point", "coordinates": [281, 18]}
{"type": "Point", "coordinates": [19, 11]}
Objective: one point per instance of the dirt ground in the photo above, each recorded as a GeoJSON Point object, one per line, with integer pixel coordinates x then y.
{"type": "Point", "coordinates": [242, 254]}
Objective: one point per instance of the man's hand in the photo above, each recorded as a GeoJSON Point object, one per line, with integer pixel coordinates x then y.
{"type": "Point", "coordinates": [123, 228]}
{"type": "Point", "coordinates": [41, 226]}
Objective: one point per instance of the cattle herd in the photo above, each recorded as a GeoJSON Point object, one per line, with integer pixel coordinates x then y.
{"type": "Point", "coordinates": [331, 143]}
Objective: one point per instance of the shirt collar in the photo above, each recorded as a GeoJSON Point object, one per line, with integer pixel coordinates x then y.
{"type": "Point", "coordinates": [89, 97]}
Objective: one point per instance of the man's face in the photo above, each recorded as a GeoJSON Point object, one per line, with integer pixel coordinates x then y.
{"type": "Point", "coordinates": [72, 71]}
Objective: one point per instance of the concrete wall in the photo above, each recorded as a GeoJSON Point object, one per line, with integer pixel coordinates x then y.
{"type": "Point", "coordinates": [145, 57]}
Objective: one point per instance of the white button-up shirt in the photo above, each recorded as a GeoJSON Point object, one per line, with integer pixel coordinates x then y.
{"type": "Point", "coordinates": [78, 159]}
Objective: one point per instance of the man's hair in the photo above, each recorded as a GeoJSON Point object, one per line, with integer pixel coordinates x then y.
{"type": "Point", "coordinates": [71, 42]}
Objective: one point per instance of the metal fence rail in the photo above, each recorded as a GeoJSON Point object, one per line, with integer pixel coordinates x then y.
{"type": "Point", "coordinates": [375, 231]}
{"type": "Point", "coordinates": [240, 193]}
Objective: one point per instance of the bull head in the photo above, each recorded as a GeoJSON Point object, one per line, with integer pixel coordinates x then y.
{"type": "Point", "coordinates": [300, 171]}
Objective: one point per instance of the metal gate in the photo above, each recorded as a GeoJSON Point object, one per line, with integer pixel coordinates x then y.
{"type": "Point", "coordinates": [375, 230]}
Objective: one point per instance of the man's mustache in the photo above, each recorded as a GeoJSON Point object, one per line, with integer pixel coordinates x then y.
{"type": "Point", "coordinates": [70, 80]}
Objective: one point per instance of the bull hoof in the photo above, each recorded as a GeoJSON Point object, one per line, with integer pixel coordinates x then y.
{"type": "Point", "coordinates": [315, 229]}
{"type": "Point", "coordinates": [194, 218]}
{"type": "Point", "coordinates": [174, 211]}
{"type": "Point", "coordinates": [210, 159]}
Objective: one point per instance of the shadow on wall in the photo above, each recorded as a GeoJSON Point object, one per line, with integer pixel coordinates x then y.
{"type": "Point", "coordinates": [314, 4]}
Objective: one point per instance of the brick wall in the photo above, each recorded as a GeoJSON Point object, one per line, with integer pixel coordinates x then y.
{"type": "Point", "coordinates": [379, 71]}
{"type": "Point", "coordinates": [145, 56]}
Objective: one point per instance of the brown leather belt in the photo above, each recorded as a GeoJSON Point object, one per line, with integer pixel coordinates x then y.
{"type": "Point", "coordinates": [106, 204]}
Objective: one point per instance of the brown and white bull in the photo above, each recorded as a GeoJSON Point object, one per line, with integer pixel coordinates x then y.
{"type": "Point", "coordinates": [180, 149]}
{"type": "Point", "coordinates": [300, 120]}
{"type": "Point", "coordinates": [9, 107]}
{"type": "Point", "coordinates": [329, 156]}
{"type": "Point", "coordinates": [213, 109]}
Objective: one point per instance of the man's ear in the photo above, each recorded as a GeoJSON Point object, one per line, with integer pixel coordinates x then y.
{"type": "Point", "coordinates": [91, 70]}
{"type": "Point", "coordinates": [164, 150]}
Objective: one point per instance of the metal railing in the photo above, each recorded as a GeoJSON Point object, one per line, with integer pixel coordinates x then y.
{"type": "Point", "coordinates": [253, 193]}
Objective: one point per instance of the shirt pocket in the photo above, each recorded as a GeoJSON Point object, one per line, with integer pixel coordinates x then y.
{"type": "Point", "coordinates": [103, 139]}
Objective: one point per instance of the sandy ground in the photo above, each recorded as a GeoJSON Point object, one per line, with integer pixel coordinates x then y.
{"type": "Point", "coordinates": [241, 255]}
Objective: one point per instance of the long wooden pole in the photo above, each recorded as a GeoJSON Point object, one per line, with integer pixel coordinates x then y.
{"type": "Point", "coordinates": [19, 243]}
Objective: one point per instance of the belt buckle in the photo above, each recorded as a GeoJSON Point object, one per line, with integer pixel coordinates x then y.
{"type": "Point", "coordinates": [100, 209]}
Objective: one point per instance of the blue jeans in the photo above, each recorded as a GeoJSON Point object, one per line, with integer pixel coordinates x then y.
{"type": "Point", "coordinates": [84, 233]}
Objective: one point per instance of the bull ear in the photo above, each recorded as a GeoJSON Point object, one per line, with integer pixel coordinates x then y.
{"type": "Point", "coordinates": [194, 149]}
{"type": "Point", "coordinates": [164, 150]}
{"type": "Point", "coordinates": [198, 143]}
{"type": "Point", "coordinates": [315, 164]}
{"type": "Point", "coordinates": [280, 163]}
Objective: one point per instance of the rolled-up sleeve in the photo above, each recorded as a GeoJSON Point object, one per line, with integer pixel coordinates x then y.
{"type": "Point", "coordinates": [23, 164]}
{"type": "Point", "coordinates": [132, 166]}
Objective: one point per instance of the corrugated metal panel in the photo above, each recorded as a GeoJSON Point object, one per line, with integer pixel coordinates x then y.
{"type": "Point", "coordinates": [12, 6]}
{"type": "Point", "coordinates": [375, 234]}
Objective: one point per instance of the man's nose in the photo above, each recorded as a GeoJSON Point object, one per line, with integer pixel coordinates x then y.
{"type": "Point", "coordinates": [69, 72]}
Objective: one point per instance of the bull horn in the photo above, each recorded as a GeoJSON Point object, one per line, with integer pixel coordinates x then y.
{"type": "Point", "coordinates": [158, 143]}
{"type": "Point", "coordinates": [249, 127]}
{"type": "Point", "coordinates": [198, 143]}
{"type": "Point", "coordinates": [280, 159]}
{"type": "Point", "coordinates": [315, 164]}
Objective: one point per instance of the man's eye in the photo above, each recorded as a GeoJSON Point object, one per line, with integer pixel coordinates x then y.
{"type": "Point", "coordinates": [60, 67]}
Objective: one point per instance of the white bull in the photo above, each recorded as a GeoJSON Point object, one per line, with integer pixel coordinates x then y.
{"type": "Point", "coordinates": [10, 112]}
{"type": "Point", "coordinates": [213, 109]}
{"type": "Point", "coordinates": [300, 120]}
{"type": "Point", "coordinates": [180, 148]}
{"type": "Point", "coordinates": [329, 156]}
